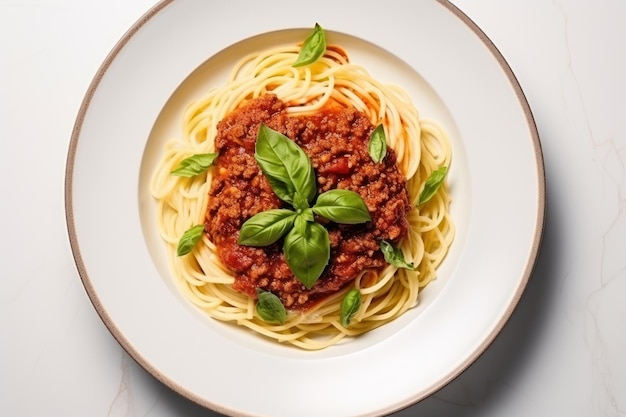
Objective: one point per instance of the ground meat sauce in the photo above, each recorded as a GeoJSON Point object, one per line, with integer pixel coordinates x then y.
{"type": "Point", "coordinates": [335, 139]}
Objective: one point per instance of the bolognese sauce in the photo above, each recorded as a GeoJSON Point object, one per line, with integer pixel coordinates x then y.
{"type": "Point", "coordinates": [336, 141]}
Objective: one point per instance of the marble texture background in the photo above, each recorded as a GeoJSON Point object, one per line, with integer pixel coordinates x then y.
{"type": "Point", "coordinates": [563, 353]}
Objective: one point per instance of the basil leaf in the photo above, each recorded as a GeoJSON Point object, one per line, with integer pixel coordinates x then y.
{"type": "Point", "coordinates": [266, 227]}
{"type": "Point", "coordinates": [307, 250]}
{"type": "Point", "coordinates": [300, 202]}
{"type": "Point", "coordinates": [286, 166]}
{"type": "Point", "coordinates": [307, 214]}
{"type": "Point", "coordinates": [432, 184]}
{"type": "Point", "coordinates": [377, 146]}
{"type": "Point", "coordinates": [194, 165]}
{"type": "Point", "coordinates": [300, 224]}
{"type": "Point", "coordinates": [349, 306]}
{"type": "Point", "coordinates": [342, 206]}
{"type": "Point", "coordinates": [189, 239]}
{"type": "Point", "coordinates": [269, 307]}
{"type": "Point", "coordinates": [313, 47]}
{"type": "Point", "coordinates": [394, 256]}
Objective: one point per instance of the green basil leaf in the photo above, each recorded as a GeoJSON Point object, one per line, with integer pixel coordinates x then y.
{"type": "Point", "coordinates": [313, 47]}
{"type": "Point", "coordinates": [269, 307]}
{"type": "Point", "coordinates": [377, 146]}
{"type": "Point", "coordinates": [307, 214]}
{"type": "Point", "coordinates": [286, 166]}
{"type": "Point", "coordinates": [266, 227]}
{"type": "Point", "coordinates": [349, 306]}
{"type": "Point", "coordinates": [307, 250]}
{"type": "Point", "coordinates": [435, 179]}
{"type": "Point", "coordinates": [189, 239]}
{"type": "Point", "coordinates": [194, 165]}
{"type": "Point", "coordinates": [394, 256]}
{"type": "Point", "coordinates": [342, 206]}
{"type": "Point", "coordinates": [300, 202]}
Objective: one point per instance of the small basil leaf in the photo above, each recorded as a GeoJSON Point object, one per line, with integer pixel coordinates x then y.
{"type": "Point", "coordinates": [194, 165]}
{"type": "Point", "coordinates": [266, 227]}
{"type": "Point", "coordinates": [189, 239]}
{"type": "Point", "coordinates": [307, 214]}
{"type": "Point", "coordinates": [313, 47]}
{"type": "Point", "coordinates": [432, 184]}
{"type": "Point", "coordinates": [300, 202]}
{"type": "Point", "coordinates": [286, 166]}
{"type": "Point", "coordinates": [394, 256]}
{"type": "Point", "coordinates": [269, 307]}
{"type": "Point", "coordinates": [300, 225]}
{"type": "Point", "coordinates": [349, 306]}
{"type": "Point", "coordinates": [377, 146]}
{"type": "Point", "coordinates": [307, 250]}
{"type": "Point", "coordinates": [342, 206]}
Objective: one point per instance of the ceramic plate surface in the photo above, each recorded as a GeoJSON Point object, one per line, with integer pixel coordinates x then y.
{"type": "Point", "coordinates": [455, 76]}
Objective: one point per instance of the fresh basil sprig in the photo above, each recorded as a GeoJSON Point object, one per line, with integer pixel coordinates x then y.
{"type": "Point", "coordinates": [313, 47]}
{"type": "Point", "coordinates": [434, 181]}
{"type": "Point", "coordinates": [394, 256]}
{"type": "Point", "coordinates": [189, 239]}
{"type": "Point", "coordinates": [377, 146]}
{"type": "Point", "coordinates": [269, 307]}
{"type": "Point", "coordinates": [290, 173]}
{"type": "Point", "coordinates": [349, 306]}
{"type": "Point", "coordinates": [194, 164]}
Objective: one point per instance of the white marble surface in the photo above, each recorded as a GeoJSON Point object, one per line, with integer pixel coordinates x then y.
{"type": "Point", "coordinates": [563, 353]}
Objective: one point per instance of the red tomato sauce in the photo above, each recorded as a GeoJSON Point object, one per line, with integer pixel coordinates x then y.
{"type": "Point", "coordinates": [335, 139]}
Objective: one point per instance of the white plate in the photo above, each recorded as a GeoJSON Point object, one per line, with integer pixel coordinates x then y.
{"type": "Point", "coordinates": [454, 74]}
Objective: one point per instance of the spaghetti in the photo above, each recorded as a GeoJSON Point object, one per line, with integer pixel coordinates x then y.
{"type": "Point", "coordinates": [421, 148]}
